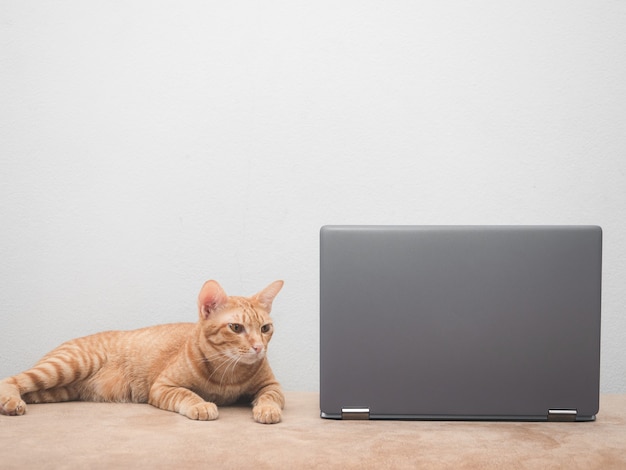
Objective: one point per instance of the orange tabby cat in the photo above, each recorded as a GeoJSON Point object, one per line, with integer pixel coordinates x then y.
{"type": "Point", "coordinates": [189, 368]}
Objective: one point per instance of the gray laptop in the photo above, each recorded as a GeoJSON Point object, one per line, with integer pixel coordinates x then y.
{"type": "Point", "coordinates": [460, 322]}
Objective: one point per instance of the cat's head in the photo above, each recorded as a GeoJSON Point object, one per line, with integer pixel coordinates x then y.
{"type": "Point", "coordinates": [237, 328]}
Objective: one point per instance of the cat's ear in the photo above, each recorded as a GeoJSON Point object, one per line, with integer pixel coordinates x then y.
{"type": "Point", "coordinates": [267, 295]}
{"type": "Point", "coordinates": [211, 297]}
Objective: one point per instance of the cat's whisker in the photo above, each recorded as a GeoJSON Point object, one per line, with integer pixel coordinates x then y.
{"type": "Point", "coordinates": [225, 363]}
{"type": "Point", "coordinates": [213, 357]}
{"type": "Point", "coordinates": [232, 366]}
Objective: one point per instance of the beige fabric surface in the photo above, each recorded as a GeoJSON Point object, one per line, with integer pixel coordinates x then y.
{"type": "Point", "coordinates": [102, 435]}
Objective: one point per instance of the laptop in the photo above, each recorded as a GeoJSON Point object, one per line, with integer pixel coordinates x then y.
{"type": "Point", "coordinates": [460, 322]}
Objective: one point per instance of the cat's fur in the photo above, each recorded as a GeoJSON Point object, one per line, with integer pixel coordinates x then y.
{"type": "Point", "coordinates": [190, 368]}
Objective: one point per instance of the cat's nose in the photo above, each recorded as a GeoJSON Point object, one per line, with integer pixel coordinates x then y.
{"type": "Point", "coordinates": [257, 348]}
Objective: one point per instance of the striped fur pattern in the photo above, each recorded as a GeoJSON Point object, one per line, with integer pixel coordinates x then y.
{"type": "Point", "coordinates": [189, 368]}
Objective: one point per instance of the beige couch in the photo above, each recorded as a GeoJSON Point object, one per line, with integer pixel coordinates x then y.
{"type": "Point", "coordinates": [107, 436]}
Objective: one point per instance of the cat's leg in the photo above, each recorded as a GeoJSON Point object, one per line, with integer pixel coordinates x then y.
{"type": "Point", "coordinates": [11, 402]}
{"type": "Point", "coordinates": [28, 387]}
{"type": "Point", "coordinates": [268, 404]}
{"type": "Point", "coordinates": [181, 400]}
{"type": "Point", "coordinates": [64, 366]}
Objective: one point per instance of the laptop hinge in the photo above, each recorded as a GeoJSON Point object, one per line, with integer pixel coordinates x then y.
{"type": "Point", "coordinates": [355, 413]}
{"type": "Point", "coordinates": [562, 415]}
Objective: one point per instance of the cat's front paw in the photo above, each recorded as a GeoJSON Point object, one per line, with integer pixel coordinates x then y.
{"type": "Point", "coordinates": [205, 411]}
{"type": "Point", "coordinates": [267, 414]}
{"type": "Point", "coordinates": [12, 406]}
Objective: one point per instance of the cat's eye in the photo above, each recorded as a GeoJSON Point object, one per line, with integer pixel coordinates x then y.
{"type": "Point", "coordinates": [236, 327]}
{"type": "Point", "coordinates": [266, 328]}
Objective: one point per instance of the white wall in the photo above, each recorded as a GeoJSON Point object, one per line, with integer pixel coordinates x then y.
{"type": "Point", "coordinates": [146, 146]}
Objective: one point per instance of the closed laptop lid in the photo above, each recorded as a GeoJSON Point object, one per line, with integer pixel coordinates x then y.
{"type": "Point", "coordinates": [460, 322]}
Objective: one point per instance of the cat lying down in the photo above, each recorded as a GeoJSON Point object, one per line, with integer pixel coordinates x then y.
{"type": "Point", "coordinates": [190, 368]}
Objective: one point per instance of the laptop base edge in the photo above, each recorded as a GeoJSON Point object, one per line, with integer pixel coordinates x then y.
{"type": "Point", "coordinates": [390, 417]}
